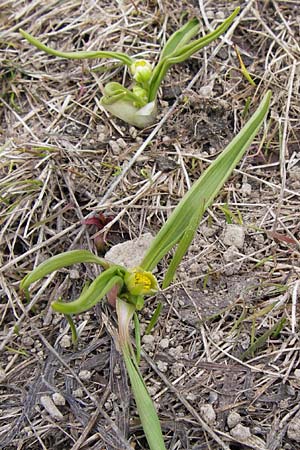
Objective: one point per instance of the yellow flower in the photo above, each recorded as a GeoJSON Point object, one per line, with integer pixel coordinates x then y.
{"type": "Point", "coordinates": [140, 282]}
{"type": "Point", "coordinates": [141, 71]}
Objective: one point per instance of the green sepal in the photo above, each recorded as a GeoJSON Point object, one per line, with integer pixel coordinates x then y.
{"type": "Point", "coordinates": [58, 262]}
{"type": "Point", "coordinates": [125, 59]}
{"type": "Point", "coordinates": [94, 293]}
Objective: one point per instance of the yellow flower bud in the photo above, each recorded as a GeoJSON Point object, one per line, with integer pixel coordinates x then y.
{"type": "Point", "coordinates": [139, 282]}
{"type": "Point", "coordinates": [141, 71]}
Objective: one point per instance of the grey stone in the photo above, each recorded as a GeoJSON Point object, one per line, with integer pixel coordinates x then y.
{"type": "Point", "coordinates": [240, 432]}
{"type": "Point", "coordinates": [208, 414]}
{"type": "Point", "coordinates": [234, 235]}
{"type": "Point", "coordinates": [130, 253]}
{"type": "Point", "coordinates": [293, 431]}
{"type": "Point", "coordinates": [233, 419]}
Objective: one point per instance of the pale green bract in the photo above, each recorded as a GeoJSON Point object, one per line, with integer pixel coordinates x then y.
{"type": "Point", "coordinates": [138, 104]}
{"type": "Point", "coordinates": [132, 285]}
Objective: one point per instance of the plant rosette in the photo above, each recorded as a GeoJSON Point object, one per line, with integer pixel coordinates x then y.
{"type": "Point", "coordinates": [138, 105]}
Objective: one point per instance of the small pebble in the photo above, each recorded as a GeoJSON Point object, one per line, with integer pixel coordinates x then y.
{"type": "Point", "coordinates": [206, 91]}
{"type": "Point", "coordinates": [115, 147]}
{"type": "Point", "coordinates": [162, 366]}
{"type": "Point", "coordinates": [233, 419]}
{"type": "Point", "coordinates": [164, 343]}
{"type": "Point", "coordinates": [66, 341]}
{"type": "Point", "coordinates": [176, 352]}
{"type": "Point", "coordinates": [50, 407]}
{"type": "Point", "coordinates": [191, 397]}
{"type": "Point", "coordinates": [293, 431]}
{"type": "Point", "coordinates": [78, 393]}
{"type": "Point", "coordinates": [246, 189]}
{"type": "Point", "coordinates": [2, 375]}
{"type": "Point", "coordinates": [122, 144]}
{"type": "Point", "coordinates": [85, 375]}
{"type": "Point", "coordinates": [27, 341]}
{"type": "Point", "coordinates": [220, 15]}
{"type": "Point", "coordinates": [297, 373]}
{"type": "Point", "coordinates": [194, 268]}
{"type": "Point", "coordinates": [208, 413]}
{"type": "Point", "coordinates": [74, 274]}
{"type": "Point", "coordinates": [177, 369]}
{"type": "Point", "coordinates": [230, 254]}
{"type": "Point", "coordinates": [58, 399]}
{"type": "Point", "coordinates": [234, 235]}
{"type": "Point", "coordinates": [240, 432]}
{"type": "Point", "coordinates": [148, 339]}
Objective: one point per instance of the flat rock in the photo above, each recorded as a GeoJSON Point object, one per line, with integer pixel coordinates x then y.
{"type": "Point", "coordinates": [130, 253]}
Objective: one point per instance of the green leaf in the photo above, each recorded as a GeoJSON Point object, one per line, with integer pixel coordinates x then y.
{"type": "Point", "coordinates": [181, 53]}
{"type": "Point", "coordinates": [154, 318]}
{"type": "Point", "coordinates": [207, 187]}
{"type": "Point", "coordinates": [180, 37]}
{"type": "Point", "coordinates": [144, 404]}
{"type": "Point", "coordinates": [184, 244]}
{"type": "Point", "coordinates": [58, 262]}
{"type": "Point", "coordinates": [125, 59]}
{"type": "Point", "coordinates": [94, 293]}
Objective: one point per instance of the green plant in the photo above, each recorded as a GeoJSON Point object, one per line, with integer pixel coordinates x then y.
{"type": "Point", "coordinates": [131, 285]}
{"type": "Point", "coordinates": [138, 104]}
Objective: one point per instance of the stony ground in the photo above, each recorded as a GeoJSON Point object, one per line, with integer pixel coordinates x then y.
{"type": "Point", "coordinates": [226, 348]}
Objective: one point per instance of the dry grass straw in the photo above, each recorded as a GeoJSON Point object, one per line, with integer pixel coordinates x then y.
{"type": "Point", "coordinates": [59, 155]}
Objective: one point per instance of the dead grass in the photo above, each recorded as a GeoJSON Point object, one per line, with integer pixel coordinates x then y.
{"type": "Point", "coordinates": [63, 159]}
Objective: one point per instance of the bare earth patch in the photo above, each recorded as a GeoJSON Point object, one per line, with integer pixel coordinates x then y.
{"type": "Point", "coordinates": [223, 364]}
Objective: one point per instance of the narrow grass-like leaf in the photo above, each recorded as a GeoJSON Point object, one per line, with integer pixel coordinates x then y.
{"type": "Point", "coordinates": [180, 37]}
{"type": "Point", "coordinates": [244, 70]}
{"type": "Point", "coordinates": [207, 187]}
{"type": "Point", "coordinates": [183, 52]}
{"type": "Point", "coordinates": [93, 294]}
{"type": "Point", "coordinates": [145, 407]}
{"type": "Point", "coordinates": [144, 404]}
{"type": "Point", "coordinates": [184, 244]}
{"type": "Point", "coordinates": [72, 328]}
{"type": "Point", "coordinates": [125, 59]}
{"type": "Point", "coordinates": [154, 319]}
{"type": "Point", "coordinates": [58, 262]}
{"type": "Point", "coordinates": [275, 330]}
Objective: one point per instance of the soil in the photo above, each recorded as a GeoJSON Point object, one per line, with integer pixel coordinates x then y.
{"type": "Point", "coordinates": [226, 348]}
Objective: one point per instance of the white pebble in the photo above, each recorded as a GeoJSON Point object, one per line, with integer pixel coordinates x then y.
{"type": "Point", "coordinates": [115, 147]}
{"type": "Point", "coordinates": [233, 419]}
{"type": "Point", "coordinates": [297, 373]}
{"type": "Point", "coordinates": [148, 339]}
{"type": "Point", "coordinates": [230, 254]}
{"type": "Point", "coordinates": [162, 366]}
{"type": "Point", "coordinates": [66, 341]}
{"type": "Point", "coordinates": [246, 189]}
{"type": "Point", "coordinates": [2, 375]}
{"type": "Point", "coordinates": [293, 431]}
{"type": "Point", "coordinates": [85, 375]}
{"type": "Point", "coordinates": [58, 399]}
{"type": "Point", "coordinates": [240, 432]}
{"type": "Point", "coordinates": [50, 407]}
{"type": "Point", "coordinates": [206, 91]}
{"type": "Point", "coordinates": [78, 393]}
{"type": "Point", "coordinates": [164, 343]}
{"type": "Point", "coordinates": [208, 413]}
{"type": "Point", "coordinates": [234, 235]}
